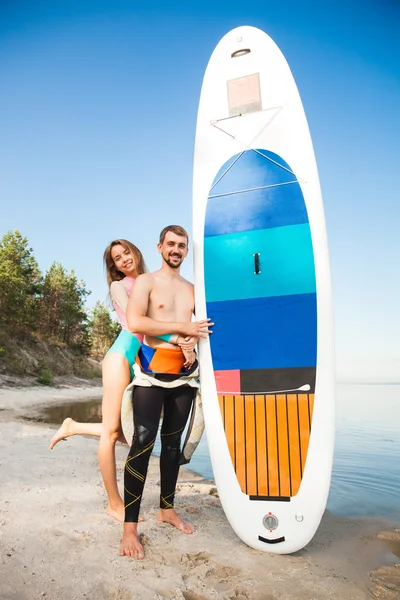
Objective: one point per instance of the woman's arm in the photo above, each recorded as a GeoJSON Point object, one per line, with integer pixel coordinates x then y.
{"type": "Point", "coordinates": [119, 295]}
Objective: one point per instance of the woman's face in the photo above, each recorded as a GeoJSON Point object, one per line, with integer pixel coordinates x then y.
{"type": "Point", "coordinates": [124, 260]}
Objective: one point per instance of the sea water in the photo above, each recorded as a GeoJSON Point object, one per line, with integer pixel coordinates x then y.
{"type": "Point", "coordinates": [366, 466]}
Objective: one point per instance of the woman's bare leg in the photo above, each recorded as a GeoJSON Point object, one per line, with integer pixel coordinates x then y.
{"type": "Point", "coordinates": [71, 427]}
{"type": "Point", "coordinates": [116, 376]}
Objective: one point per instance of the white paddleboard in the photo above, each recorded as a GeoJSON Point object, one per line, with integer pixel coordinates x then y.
{"type": "Point", "coordinates": [262, 275]}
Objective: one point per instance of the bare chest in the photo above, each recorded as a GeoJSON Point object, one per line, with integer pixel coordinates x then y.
{"type": "Point", "coordinates": [171, 302]}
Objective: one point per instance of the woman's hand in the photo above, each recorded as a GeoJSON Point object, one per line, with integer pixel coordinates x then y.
{"type": "Point", "coordinates": [190, 357]}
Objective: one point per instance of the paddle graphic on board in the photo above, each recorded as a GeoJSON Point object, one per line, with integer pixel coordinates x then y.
{"type": "Point", "coordinates": [262, 276]}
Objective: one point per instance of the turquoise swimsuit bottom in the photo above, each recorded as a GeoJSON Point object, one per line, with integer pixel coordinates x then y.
{"type": "Point", "coordinates": [128, 346]}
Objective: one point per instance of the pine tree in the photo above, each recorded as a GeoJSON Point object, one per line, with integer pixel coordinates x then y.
{"type": "Point", "coordinates": [63, 317]}
{"type": "Point", "coordinates": [20, 281]}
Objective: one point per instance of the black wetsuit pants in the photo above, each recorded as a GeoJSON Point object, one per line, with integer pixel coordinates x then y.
{"type": "Point", "coordinates": [147, 405]}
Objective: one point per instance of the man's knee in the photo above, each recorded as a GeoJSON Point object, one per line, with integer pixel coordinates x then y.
{"type": "Point", "coordinates": [171, 448]}
{"type": "Point", "coordinates": [143, 438]}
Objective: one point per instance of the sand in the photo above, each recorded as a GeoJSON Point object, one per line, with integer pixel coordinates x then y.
{"type": "Point", "coordinates": [58, 543]}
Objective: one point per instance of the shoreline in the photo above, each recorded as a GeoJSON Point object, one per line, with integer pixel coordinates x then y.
{"type": "Point", "coordinates": [58, 541]}
{"type": "Point", "coordinates": [17, 397]}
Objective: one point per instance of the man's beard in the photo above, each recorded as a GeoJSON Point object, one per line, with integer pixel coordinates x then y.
{"type": "Point", "coordinates": [172, 264]}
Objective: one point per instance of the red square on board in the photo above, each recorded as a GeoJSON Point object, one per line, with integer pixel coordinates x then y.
{"type": "Point", "coordinates": [228, 382]}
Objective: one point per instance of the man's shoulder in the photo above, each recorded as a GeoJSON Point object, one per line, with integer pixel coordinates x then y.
{"type": "Point", "coordinates": [155, 277]}
{"type": "Point", "coordinates": [146, 279]}
{"type": "Point", "coordinates": [186, 285]}
{"type": "Point", "coordinates": [186, 282]}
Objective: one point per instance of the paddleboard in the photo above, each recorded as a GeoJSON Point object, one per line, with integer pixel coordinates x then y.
{"type": "Point", "coordinates": [262, 275]}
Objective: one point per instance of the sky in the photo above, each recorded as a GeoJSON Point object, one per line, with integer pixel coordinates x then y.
{"type": "Point", "coordinates": [98, 106]}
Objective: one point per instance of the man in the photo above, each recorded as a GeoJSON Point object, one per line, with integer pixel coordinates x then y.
{"type": "Point", "coordinates": [161, 302]}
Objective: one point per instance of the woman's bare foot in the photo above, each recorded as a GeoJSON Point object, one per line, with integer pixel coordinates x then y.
{"type": "Point", "coordinates": [117, 511]}
{"type": "Point", "coordinates": [130, 544]}
{"type": "Point", "coordinates": [170, 516]}
{"type": "Point", "coordinates": [66, 429]}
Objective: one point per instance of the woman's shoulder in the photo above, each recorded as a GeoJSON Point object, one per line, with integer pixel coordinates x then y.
{"type": "Point", "coordinates": [120, 287]}
{"type": "Point", "coordinates": [116, 285]}
{"type": "Point", "coordinates": [125, 282]}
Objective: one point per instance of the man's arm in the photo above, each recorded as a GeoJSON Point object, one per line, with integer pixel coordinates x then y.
{"type": "Point", "coordinates": [138, 322]}
{"type": "Point", "coordinates": [119, 296]}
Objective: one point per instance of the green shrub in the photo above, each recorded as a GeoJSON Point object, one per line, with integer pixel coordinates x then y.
{"type": "Point", "coordinates": [45, 377]}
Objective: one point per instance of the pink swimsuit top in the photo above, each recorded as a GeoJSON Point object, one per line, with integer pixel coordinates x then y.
{"type": "Point", "coordinates": [128, 285]}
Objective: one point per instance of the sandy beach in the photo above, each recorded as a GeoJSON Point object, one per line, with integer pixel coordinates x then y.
{"type": "Point", "coordinates": [58, 543]}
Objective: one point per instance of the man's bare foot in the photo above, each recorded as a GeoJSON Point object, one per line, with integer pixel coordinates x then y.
{"type": "Point", "coordinates": [170, 516]}
{"type": "Point", "coordinates": [130, 544]}
{"type": "Point", "coordinates": [66, 429]}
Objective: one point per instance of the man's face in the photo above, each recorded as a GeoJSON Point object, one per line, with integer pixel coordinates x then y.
{"type": "Point", "coordinates": [174, 249]}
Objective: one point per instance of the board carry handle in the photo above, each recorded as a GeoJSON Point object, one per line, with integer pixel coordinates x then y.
{"type": "Point", "coordinates": [240, 52]}
{"type": "Point", "coordinates": [275, 541]}
{"type": "Point", "coordinates": [257, 269]}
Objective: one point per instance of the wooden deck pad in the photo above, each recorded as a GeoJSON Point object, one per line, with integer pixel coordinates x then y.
{"type": "Point", "coordinates": [268, 438]}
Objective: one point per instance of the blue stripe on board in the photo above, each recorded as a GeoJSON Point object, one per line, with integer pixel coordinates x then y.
{"type": "Point", "coordinates": [259, 209]}
{"type": "Point", "coordinates": [264, 333]}
{"type": "Point", "coordinates": [286, 263]}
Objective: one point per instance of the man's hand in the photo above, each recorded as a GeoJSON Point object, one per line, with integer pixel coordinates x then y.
{"type": "Point", "coordinates": [197, 328]}
{"type": "Point", "coordinates": [187, 343]}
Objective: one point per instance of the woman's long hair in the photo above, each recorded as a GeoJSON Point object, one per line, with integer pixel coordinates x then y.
{"type": "Point", "coordinates": [111, 270]}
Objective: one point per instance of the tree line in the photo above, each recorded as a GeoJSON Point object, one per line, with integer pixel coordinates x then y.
{"type": "Point", "coordinates": [51, 305]}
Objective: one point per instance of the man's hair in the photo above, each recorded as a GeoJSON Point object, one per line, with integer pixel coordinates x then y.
{"type": "Point", "coordinates": [177, 229]}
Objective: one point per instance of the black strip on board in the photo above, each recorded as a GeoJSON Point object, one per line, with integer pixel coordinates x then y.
{"type": "Point", "coordinates": [263, 381]}
{"type": "Point", "coordinates": [271, 498]}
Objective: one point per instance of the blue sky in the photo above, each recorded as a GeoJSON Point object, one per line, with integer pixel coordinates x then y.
{"type": "Point", "coordinates": [98, 104]}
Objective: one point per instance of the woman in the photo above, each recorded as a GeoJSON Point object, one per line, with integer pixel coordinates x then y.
{"type": "Point", "coordinates": [123, 262]}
